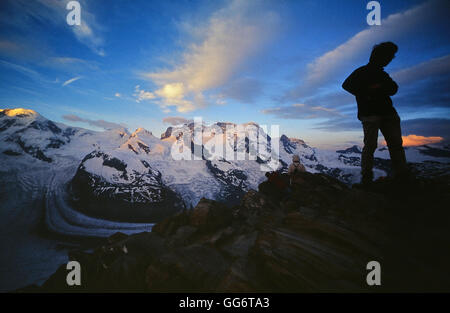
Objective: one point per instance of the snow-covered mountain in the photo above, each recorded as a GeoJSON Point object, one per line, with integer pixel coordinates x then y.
{"type": "Point", "coordinates": [80, 182]}
{"type": "Point", "coordinates": [426, 161]}
{"type": "Point", "coordinates": [133, 176]}
{"type": "Point", "coordinates": [26, 133]}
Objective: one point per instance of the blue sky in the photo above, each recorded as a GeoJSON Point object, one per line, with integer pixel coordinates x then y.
{"type": "Point", "coordinates": [143, 63]}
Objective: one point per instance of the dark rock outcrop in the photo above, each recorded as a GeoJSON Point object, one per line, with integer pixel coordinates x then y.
{"type": "Point", "coordinates": [133, 196]}
{"type": "Point", "coordinates": [319, 238]}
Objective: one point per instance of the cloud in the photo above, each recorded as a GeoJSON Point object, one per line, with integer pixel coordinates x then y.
{"type": "Point", "coordinates": [301, 111]}
{"type": "Point", "coordinates": [69, 64]}
{"type": "Point", "coordinates": [30, 73]}
{"type": "Point", "coordinates": [424, 85]}
{"type": "Point", "coordinates": [97, 123]}
{"type": "Point", "coordinates": [25, 14]}
{"type": "Point", "coordinates": [21, 69]}
{"type": "Point", "coordinates": [424, 70]}
{"type": "Point", "coordinates": [230, 37]}
{"type": "Point", "coordinates": [142, 95]}
{"type": "Point", "coordinates": [344, 123]}
{"type": "Point", "coordinates": [429, 94]}
{"type": "Point", "coordinates": [117, 95]}
{"type": "Point", "coordinates": [421, 86]}
{"type": "Point", "coordinates": [415, 140]}
{"type": "Point", "coordinates": [243, 89]}
{"type": "Point", "coordinates": [88, 33]}
{"type": "Point", "coordinates": [73, 118]}
{"type": "Point", "coordinates": [175, 120]}
{"type": "Point", "coordinates": [326, 68]}
{"type": "Point", "coordinates": [22, 49]}
{"type": "Point", "coordinates": [427, 127]}
{"type": "Point", "coordinates": [68, 82]}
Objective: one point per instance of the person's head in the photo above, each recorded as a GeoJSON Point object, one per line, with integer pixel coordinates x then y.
{"type": "Point", "coordinates": [295, 158]}
{"type": "Point", "coordinates": [383, 53]}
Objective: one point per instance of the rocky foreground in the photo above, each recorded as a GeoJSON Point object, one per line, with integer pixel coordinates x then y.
{"type": "Point", "coordinates": [317, 239]}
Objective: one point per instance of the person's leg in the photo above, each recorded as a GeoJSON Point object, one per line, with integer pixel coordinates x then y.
{"type": "Point", "coordinates": [370, 145]}
{"type": "Point", "coordinates": [391, 130]}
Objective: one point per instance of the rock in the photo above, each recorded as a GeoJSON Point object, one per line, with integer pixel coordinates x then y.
{"type": "Point", "coordinates": [170, 225]}
{"type": "Point", "coordinates": [195, 268]}
{"type": "Point", "coordinates": [210, 215]}
{"type": "Point", "coordinates": [319, 239]}
{"type": "Point", "coordinates": [119, 236]}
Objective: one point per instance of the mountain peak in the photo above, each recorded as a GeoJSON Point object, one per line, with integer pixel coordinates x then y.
{"type": "Point", "coordinates": [286, 139]}
{"type": "Point", "coordinates": [141, 131]}
{"type": "Point", "coordinates": [251, 123]}
{"type": "Point", "coordinates": [353, 149]}
{"type": "Point", "coordinates": [18, 112]}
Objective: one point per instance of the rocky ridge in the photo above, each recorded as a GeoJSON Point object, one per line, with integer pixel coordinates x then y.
{"type": "Point", "coordinates": [318, 239]}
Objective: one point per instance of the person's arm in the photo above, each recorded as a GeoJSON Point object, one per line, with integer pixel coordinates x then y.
{"type": "Point", "coordinates": [352, 84]}
{"type": "Point", "coordinates": [385, 86]}
{"type": "Point", "coordinates": [389, 86]}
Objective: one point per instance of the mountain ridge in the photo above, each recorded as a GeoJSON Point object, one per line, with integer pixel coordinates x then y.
{"type": "Point", "coordinates": [145, 157]}
{"type": "Point", "coordinates": [40, 196]}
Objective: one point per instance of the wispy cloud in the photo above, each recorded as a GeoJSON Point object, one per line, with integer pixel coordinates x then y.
{"type": "Point", "coordinates": [432, 93]}
{"type": "Point", "coordinates": [229, 38]}
{"type": "Point", "coordinates": [430, 127]}
{"type": "Point", "coordinates": [27, 13]}
{"type": "Point", "coordinates": [301, 111]}
{"type": "Point", "coordinates": [424, 70]}
{"type": "Point", "coordinates": [69, 64]}
{"type": "Point", "coordinates": [344, 123]}
{"type": "Point", "coordinates": [26, 71]}
{"type": "Point", "coordinates": [243, 89]}
{"type": "Point", "coordinates": [21, 69]}
{"type": "Point", "coordinates": [68, 82]}
{"type": "Point", "coordinates": [89, 32]}
{"type": "Point", "coordinates": [97, 123]}
{"type": "Point", "coordinates": [175, 120]}
{"type": "Point", "coordinates": [424, 85]}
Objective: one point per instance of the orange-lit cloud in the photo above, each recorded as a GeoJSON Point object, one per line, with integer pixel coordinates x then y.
{"type": "Point", "coordinates": [230, 37]}
{"type": "Point", "coordinates": [415, 140]}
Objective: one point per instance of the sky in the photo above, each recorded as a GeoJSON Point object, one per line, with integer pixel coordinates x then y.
{"type": "Point", "coordinates": [155, 63]}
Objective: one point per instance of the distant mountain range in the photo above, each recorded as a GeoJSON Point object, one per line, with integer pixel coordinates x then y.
{"type": "Point", "coordinates": [62, 185]}
{"type": "Point", "coordinates": [123, 176]}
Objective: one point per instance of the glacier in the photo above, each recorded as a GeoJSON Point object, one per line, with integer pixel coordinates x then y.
{"type": "Point", "coordinates": [40, 159]}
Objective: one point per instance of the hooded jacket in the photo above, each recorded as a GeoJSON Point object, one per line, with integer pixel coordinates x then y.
{"type": "Point", "coordinates": [372, 87]}
{"type": "Point", "coordinates": [294, 168]}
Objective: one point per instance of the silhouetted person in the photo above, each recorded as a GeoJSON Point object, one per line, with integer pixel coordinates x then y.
{"type": "Point", "coordinates": [294, 169]}
{"type": "Point", "coordinates": [372, 87]}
